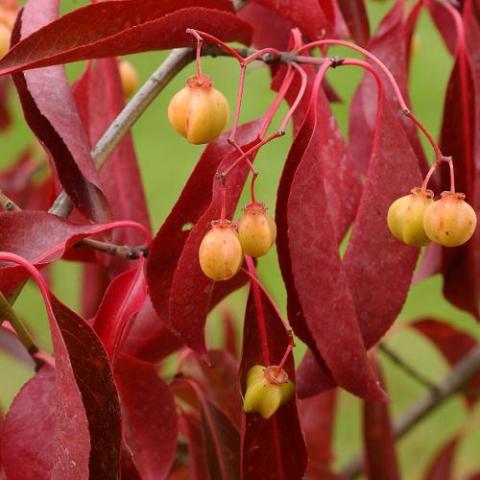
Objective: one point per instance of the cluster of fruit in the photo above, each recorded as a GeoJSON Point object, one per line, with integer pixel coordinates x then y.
{"type": "Point", "coordinates": [224, 246]}
{"type": "Point", "coordinates": [417, 219]}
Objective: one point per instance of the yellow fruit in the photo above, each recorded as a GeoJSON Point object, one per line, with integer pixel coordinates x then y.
{"type": "Point", "coordinates": [199, 112]}
{"type": "Point", "coordinates": [129, 78]}
{"type": "Point", "coordinates": [5, 33]}
{"type": "Point", "coordinates": [220, 252]}
{"type": "Point", "coordinates": [450, 221]}
{"type": "Point", "coordinates": [268, 388]}
{"type": "Point", "coordinates": [257, 230]}
{"type": "Point", "coordinates": [405, 217]}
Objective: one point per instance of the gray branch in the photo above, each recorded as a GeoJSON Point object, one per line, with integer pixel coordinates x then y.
{"type": "Point", "coordinates": [452, 383]}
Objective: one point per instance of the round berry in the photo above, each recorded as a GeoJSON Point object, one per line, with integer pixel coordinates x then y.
{"type": "Point", "coordinates": [199, 112]}
{"type": "Point", "coordinates": [268, 388]}
{"type": "Point", "coordinates": [257, 230]}
{"type": "Point", "coordinates": [405, 217]}
{"type": "Point", "coordinates": [5, 33]}
{"type": "Point", "coordinates": [220, 252]}
{"type": "Point", "coordinates": [450, 221]}
{"type": "Point", "coordinates": [129, 78]}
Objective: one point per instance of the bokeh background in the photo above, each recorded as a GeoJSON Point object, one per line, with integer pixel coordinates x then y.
{"type": "Point", "coordinates": [166, 161]}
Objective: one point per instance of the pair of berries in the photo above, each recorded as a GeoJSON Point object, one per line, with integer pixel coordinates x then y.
{"type": "Point", "coordinates": [268, 388]}
{"type": "Point", "coordinates": [224, 246]}
{"type": "Point", "coordinates": [199, 112]}
{"type": "Point", "coordinates": [417, 219]}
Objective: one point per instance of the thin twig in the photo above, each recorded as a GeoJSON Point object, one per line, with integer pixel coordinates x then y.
{"type": "Point", "coordinates": [407, 368]}
{"type": "Point", "coordinates": [452, 383]}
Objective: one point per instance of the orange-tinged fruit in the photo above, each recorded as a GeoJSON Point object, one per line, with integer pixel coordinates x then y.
{"type": "Point", "coordinates": [129, 78]}
{"type": "Point", "coordinates": [220, 252]}
{"type": "Point", "coordinates": [199, 112]}
{"type": "Point", "coordinates": [268, 388]}
{"type": "Point", "coordinates": [257, 230]}
{"type": "Point", "coordinates": [5, 33]}
{"type": "Point", "coordinates": [405, 217]}
{"type": "Point", "coordinates": [450, 221]}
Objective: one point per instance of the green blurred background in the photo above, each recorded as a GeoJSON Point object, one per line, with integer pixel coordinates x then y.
{"type": "Point", "coordinates": [166, 161]}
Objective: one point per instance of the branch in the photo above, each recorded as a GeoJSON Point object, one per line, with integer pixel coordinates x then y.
{"type": "Point", "coordinates": [452, 383]}
{"type": "Point", "coordinates": [407, 368]}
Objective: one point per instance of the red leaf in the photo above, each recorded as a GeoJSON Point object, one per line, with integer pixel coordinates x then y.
{"type": "Point", "coordinates": [150, 339]}
{"type": "Point", "coordinates": [150, 419]}
{"type": "Point", "coordinates": [317, 417]}
{"type": "Point", "coordinates": [278, 439]}
{"type": "Point", "coordinates": [5, 118]}
{"type": "Point", "coordinates": [460, 266]}
{"type": "Point", "coordinates": [379, 439]}
{"type": "Point", "coordinates": [113, 28]}
{"type": "Point", "coordinates": [392, 172]}
{"type": "Point", "coordinates": [356, 18]}
{"type": "Point", "coordinates": [313, 376]}
{"type": "Point", "coordinates": [308, 213]}
{"type": "Point", "coordinates": [307, 15]}
{"type": "Point", "coordinates": [94, 284]}
{"type": "Point", "coordinates": [40, 238]}
{"type": "Point", "coordinates": [222, 439]}
{"type": "Point", "coordinates": [10, 344]}
{"type": "Point", "coordinates": [389, 45]}
{"type": "Point", "coordinates": [181, 293]}
{"type": "Point", "coordinates": [73, 411]}
{"type": "Point", "coordinates": [441, 467]}
{"type": "Point", "coordinates": [453, 344]}
{"type": "Point", "coordinates": [53, 117]}
{"type": "Point", "coordinates": [191, 428]}
{"type": "Point", "coordinates": [100, 95]}
{"type": "Point", "coordinates": [123, 299]}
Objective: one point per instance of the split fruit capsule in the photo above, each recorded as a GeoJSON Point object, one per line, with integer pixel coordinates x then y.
{"type": "Point", "coordinates": [220, 252]}
{"type": "Point", "coordinates": [268, 388]}
{"type": "Point", "coordinates": [199, 112]}
{"type": "Point", "coordinates": [257, 230]}
{"type": "Point", "coordinates": [405, 217]}
{"type": "Point", "coordinates": [129, 78]}
{"type": "Point", "coordinates": [450, 221]}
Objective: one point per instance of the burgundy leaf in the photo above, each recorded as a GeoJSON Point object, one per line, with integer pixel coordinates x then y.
{"type": "Point", "coordinates": [392, 172]}
{"type": "Point", "coordinates": [191, 428]}
{"type": "Point", "coordinates": [307, 15]}
{"type": "Point", "coordinates": [313, 377]}
{"type": "Point", "coordinates": [123, 299]}
{"type": "Point", "coordinates": [317, 416]}
{"type": "Point", "coordinates": [460, 266]}
{"type": "Point", "coordinates": [40, 238]}
{"type": "Point", "coordinates": [356, 18]}
{"type": "Point", "coordinates": [379, 439]}
{"type": "Point", "coordinates": [149, 417]}
{"type": "Point", "coordinates": [94, 284]}
{"type": "Point", "coordinates": [330, 316]}
{"type": "Point", "coordinates": [180, 292]}
{"type": "Point", "coordinates": [445, 24]}
{"type": "Point", "coordinates": [221, 436]}
{"type": "Point", "coordinates": [149, 338]}
{"type": "Point", "coordinates": [74, 409]}
{"type": "Point", "coordinates": [5, 118]}
{"type": "Point", "coordinates": [109, 28]}
{"type": "Point", "coordinates": [441, 468]}
{"type": "Point", "coordinates": [278, 439]}
{"type": "Point", "coordinates": [50, 111]}
{"type": "Point", "coordinates": [453, 344]}
{"type": "Point", "coordinates": [230, 333]}
{"type": "Point", "coordinates": [218, 378]}
{"type": "Point", "coordinates": [100, 95]}
{"type": "Point", "coordinates": [389, 45]}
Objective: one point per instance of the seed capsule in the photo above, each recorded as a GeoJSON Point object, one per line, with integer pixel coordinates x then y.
{"type": "Point", "coordinates": [220, 252]}
{"type": "Point", "coordinates": [129, 78]}
{"type": "Point", "coordinates": [268, 388]}
{"type": "Point", "coordinates": [199, 112]}
{"type": "Point", "coordinates": [450, 221]}
{"type": "Point", "coordinates": [405, 217]}
{"type": "Point", "coordinates": [257, 230]}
